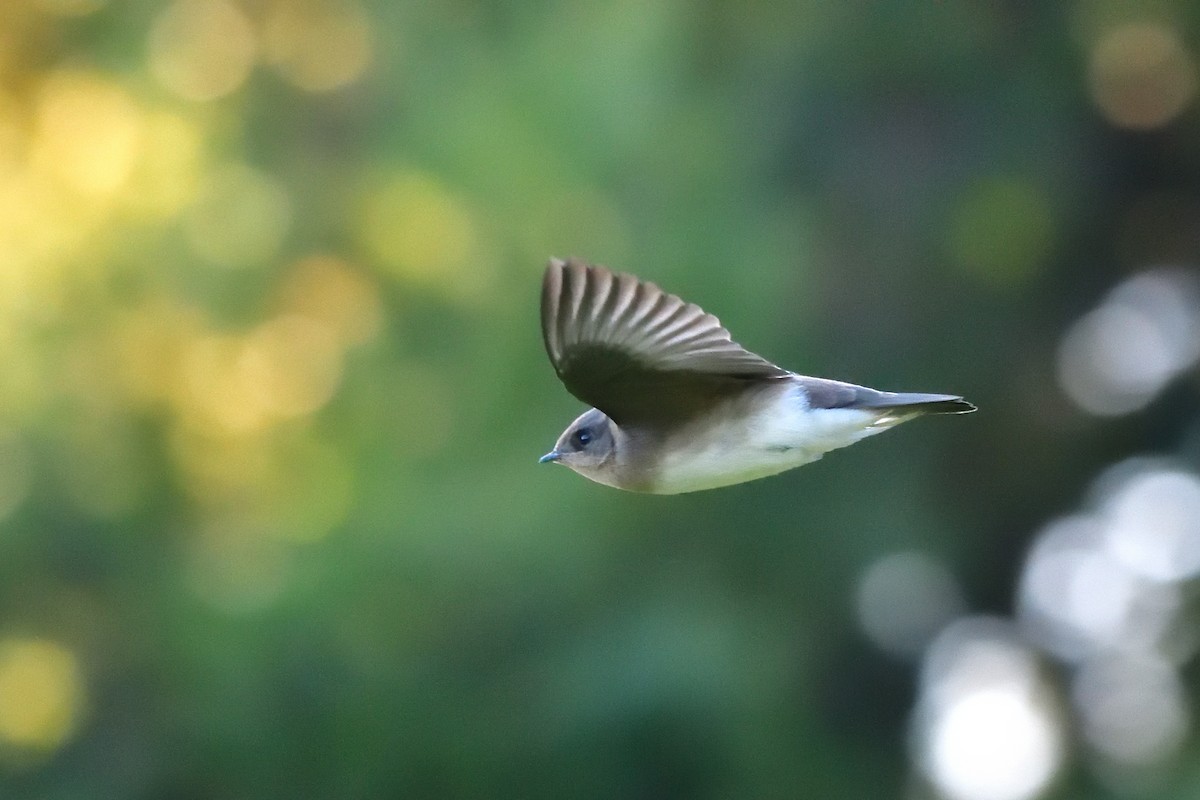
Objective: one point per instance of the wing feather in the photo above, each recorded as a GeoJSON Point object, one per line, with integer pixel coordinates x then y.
{"type": "Point", "coordinates": [636, 352]}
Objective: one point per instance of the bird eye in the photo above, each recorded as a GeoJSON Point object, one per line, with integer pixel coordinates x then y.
{"type": "Point", "coordinates": [582, 438]}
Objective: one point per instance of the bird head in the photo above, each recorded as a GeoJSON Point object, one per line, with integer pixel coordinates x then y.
{"type": "Point", "coordinates": [586, 446]}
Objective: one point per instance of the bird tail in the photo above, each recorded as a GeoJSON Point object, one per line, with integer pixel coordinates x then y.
{"type": "Point", "coordinates": [824, 393]}
{"type": "Point", "coordinates": [897, 407]}
{"type": "Point", "coordinates": [922, 403]}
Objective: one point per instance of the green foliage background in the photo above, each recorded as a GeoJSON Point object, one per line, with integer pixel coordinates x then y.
{"type": "Point", "coordinates": [272, 388]}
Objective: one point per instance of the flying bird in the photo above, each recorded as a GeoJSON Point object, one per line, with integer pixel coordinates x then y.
{"type": "Point", "coordinates": [677, 405]}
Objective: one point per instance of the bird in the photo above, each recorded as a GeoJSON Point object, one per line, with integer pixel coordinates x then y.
{"type": "Point", "coordinates": [676, 405]}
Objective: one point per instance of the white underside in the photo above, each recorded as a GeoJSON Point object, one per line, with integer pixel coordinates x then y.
{"type": "Point", "coordinates": [782, 433]}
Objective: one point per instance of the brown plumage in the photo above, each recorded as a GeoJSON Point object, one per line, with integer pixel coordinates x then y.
{"type": "Point", "coordinates": [667, 381]}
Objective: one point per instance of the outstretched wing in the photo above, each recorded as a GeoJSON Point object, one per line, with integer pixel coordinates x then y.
{"type": "Point", "coordinates": [637, 353]}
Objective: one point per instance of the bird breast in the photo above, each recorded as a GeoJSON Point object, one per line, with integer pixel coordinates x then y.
{"type": "Point", "coordinates": [757, 434]}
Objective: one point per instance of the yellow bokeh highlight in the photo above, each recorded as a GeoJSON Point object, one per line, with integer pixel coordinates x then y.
{"type": "Point", "coordinates": [287, 367]}
{"type": "Point", "coordinates": [281, 484]}
{"type": "Point", "coordinates": [13, 138]}
{"type": "Point", "coordinates": [333, 292]}
{"type": "Point", "coordinates": [166, 175]}
{"type": "Point", "coordinates": [201, 49]}
{"type": "Point", "coordinates": [218, 393]}
{"type": "Point", "coordinates": [227, 384]}
{"type": "Point", "coordinates": [221, 470]}
{"type": "Point", "coordinates": [69, 8]}
{"type": "Point", "coordinates": [293, 363]}
{"type": "Point", "coordinates": [1001, 231]}
{"type": "Point", "coordinates": [239, 218]}
{"type": "Point", "coordinates": [22, 371]}
{"type": "Point", "coordinates": [87, 133]}
{"type": "Point", "coordinates": [318, 45]}
{"type": "Point", "coordinates": [43, 228]}
{"type": "Point", "coordinates": [150, 343]}
{"type": "Point", "coordinates": [1141, 76]}
{"type": "Point", "coordinates": [41, 693]}
{"type": "Point", "coordinates": [423, 233]}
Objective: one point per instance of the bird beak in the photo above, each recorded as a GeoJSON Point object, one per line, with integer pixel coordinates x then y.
{"type": "Point", "coordinates": [553, 455]}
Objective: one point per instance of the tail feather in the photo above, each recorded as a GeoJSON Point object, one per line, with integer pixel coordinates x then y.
{"type": "Point", "coordinates": [824, 393]}
{"type": "Point", "coordinates": [895, 408]}
{"type": "Point", "coordinates": [925, 403]}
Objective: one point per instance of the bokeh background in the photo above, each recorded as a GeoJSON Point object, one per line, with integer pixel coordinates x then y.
{"type": "Point", "coordinates": [272, 392]}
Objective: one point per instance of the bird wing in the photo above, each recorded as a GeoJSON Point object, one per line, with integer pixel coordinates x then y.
{"type": "Point", "coordinates": [638, 354]}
